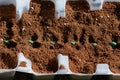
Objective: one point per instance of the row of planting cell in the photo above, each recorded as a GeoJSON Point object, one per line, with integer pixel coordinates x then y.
{"type": "Point", "coordinates": [24, 6]}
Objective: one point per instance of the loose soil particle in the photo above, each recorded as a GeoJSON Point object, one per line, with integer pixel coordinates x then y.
{"type": "Point", "coordinates": [81, 25]}
{"type": "Point", "coordinates": [62, 67]}
{"type": "Point", "coordinates": [23, 64]}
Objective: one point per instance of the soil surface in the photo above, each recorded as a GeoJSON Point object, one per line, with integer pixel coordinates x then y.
{"type": "Point", "coordinates": [83, 35]}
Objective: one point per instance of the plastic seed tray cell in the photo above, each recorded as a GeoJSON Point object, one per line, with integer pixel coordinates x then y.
{"type": "Point", "coordinates": [31, 29]}
{"type": "Point", "coordinates": [22, 6]}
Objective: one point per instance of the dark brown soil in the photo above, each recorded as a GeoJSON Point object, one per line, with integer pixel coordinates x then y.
{"type": "Point", "coordinates": [81, 26]}
{"type": "Point", "coordinates": [8, 11]}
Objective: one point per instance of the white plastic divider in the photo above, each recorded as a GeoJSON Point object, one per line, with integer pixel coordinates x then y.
{"type": "Point", "coordinates": [103, 69]}
{"type": "Point", "coordinates": [98, 4]}
{"type": "Point", "coordinates": [95, 4]}
{"type": "Point", "coordinates": [22, 6]}
{"type": "Point", "coordinates": [60, 5]}
{"type": "Point", "coordinates": [27, 68]}
{"type": "Point", "coordinates": [64, 62]}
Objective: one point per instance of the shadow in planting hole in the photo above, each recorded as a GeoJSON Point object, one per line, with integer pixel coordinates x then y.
{"type": "Point", "coordinates": [51, 47]}
{"type": "Point", "coordinates": [36, 45]}
{"type": "Point", "coordinates": [75, 37]}
{"type": "Point", "coordinates": [82, 37]}
{"type": "Point", "coordinates": [91, 39]}
{"type": "Point", "coordinates": [78, 47]}
{"type": "Point", "coordinates": [66, 30]}
{"type": "Point", "coordinates": [34, 37]}
{"type": "Point", "coordinates": [9, 24]}
{"type": "Point", "coordinates": [11, 44]}
{"type": "Point", "coordinates": [9, 31]}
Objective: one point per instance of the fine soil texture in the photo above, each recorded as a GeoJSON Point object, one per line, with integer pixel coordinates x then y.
{"type": "Point", "coordinates": [87, 37]}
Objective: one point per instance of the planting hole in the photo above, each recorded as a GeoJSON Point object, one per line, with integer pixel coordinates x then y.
{"type": "Point", "coordinates": [10, 33]}
{"type": "Point", "coordinates": [91, 39]}
{"type": "Point", "coordinates": [82, 36]}
{"type": "Point", "coordinates": [9, 24]}
{"type": "Point", "coordinates": [11, 44]}
{"type": "Point", "coordinates": [51, 47]}
{"type": "Point", "coordinates": [34, 37]}
{"type": "Point", "coordinates": [78, 47]}
{"type": "Point", "coordinates": [66, 31]}
{"type": "Point", "coordinates": [75, 37]}
{"type": "Point", "coordinates": [36, 45]}
{"type": "Point", "coordinates": [65, 40]}
{"type": "Point", "coordinates": [54, 38]}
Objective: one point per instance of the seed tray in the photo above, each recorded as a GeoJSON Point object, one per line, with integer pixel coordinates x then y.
{"type": "Point", "coordinates": [102, 72]}
{"type": "Point", "coordinates": [22, 6]}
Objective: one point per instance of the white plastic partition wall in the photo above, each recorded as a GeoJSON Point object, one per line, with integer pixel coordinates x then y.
{"type": "Point", "coordinates": [22, 6]}
{"type": "Point", "coordinates": [60, 5]}
{"type": "Point", "coordinates": [98, 4]}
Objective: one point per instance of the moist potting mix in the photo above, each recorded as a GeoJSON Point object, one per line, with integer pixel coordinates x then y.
{"type": "Point", "coordinates": [87, 37]}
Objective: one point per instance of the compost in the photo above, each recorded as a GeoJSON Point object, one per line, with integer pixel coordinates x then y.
{"type": "Point", "coordinates": [84, 36]}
